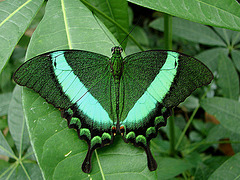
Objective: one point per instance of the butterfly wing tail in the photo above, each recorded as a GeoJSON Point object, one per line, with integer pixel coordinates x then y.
{"type": "Point", "coordinates": [141, 136]}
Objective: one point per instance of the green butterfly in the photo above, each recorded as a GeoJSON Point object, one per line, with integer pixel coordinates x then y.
{"type": "Point", "coordinates": [101, 96]}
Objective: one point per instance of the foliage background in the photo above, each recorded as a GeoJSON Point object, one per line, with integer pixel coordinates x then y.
{"type": "Point", "coordinates": [202, 142]}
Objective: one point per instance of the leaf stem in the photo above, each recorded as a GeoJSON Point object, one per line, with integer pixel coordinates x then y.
{"type": "Point", "coordinates": [168, 45]}
{"type": "Point", "coordinates": [171, 135]}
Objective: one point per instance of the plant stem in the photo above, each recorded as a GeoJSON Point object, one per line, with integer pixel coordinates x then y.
{"type": "Point", "coordinates": [168, 45]}
{"type": "Point", "coordinates": [186, 127]}
{"type": "Point", "coordinates": [112, 21]}
{"type": "Point", "coordinates": [168, 31]}
{"type": "Point", "coordinates": [188, 123]}
{"type": "Point", "coordinates": [171, 136]}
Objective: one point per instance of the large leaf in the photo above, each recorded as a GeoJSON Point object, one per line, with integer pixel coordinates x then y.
{"type": "Point", "coordinates": [228, 79]}
{"type": "Point", "coordinates": [228, 170]}
{"type": "Point", "coordinates": [15, 17]}
{"type": "Point", "coordinates": [225, 110]}
{"type": "Point", "coordinates": [210, 12]}
{"type": "Point", "coordinates": [119, 15]}
{"type": "Point", "coordinates": [58, 150]}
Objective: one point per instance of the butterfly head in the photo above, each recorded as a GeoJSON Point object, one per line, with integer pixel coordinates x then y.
{"type": "Point", "coordinates": [116, 62]}
{"type": "Point", "coordinates": [116, 50]}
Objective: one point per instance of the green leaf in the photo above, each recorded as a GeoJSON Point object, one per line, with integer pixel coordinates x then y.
{"type": "Point", "coordinates": [170, 167]}
{"type": "Point", "coordinates": [210, 57]}
{"type": "Point", "coordinates": [190, 31]}
{"type": "Point", "coordinates": [228, 170]}
{"type": "Point", "coordinates": [15, 17]}
{"type": "Point", "coordinates": [4, 103]}
{"type": "Point", "coordinates": [209, 12]}
{"type": "Point", "coordinates": [235, 39]}
{"type": "Point", "coordinates": [225, 110]}
{"type": "Point", "coordinates": [228, 79]}
{"type": "Point", "coordinates": [140, 36]}
{"type": "Point", "coordinates": [119, 15]}
{"type": "Point", "coordinates": [207, 167]}
{"type": "Point", "coordinates": [5, 149]}
{"type": "Point", "coordinates": [58, 149]}
{"type": "Point", "coordinates": [225, 34]}
{"type": "Point", "coordinates": [3, 164]}
{"type": "Point", "coordinates": [16, 121]}
{"type": "Point", "coordinates": [178, 131]}
{"type": "Point", "coordinates": [16, 170]}
{"type": "Point", "coordinates": [236, 58]}
{"type": "Point", "coordinates": [190, 103]}
{"type": "Point", "coordinates": [117, 161]}
{"type": "Point", "coordinates": [219, 132]}
{"type": "Point", "coordinates": [68, 33]}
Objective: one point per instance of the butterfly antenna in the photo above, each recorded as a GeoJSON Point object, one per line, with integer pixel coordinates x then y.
{"type": "Point", "coordinates": [103, 29]}
{"type": "Point", "coordinates": [130, 31]}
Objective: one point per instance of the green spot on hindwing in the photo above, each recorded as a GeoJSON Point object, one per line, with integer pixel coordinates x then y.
{"type": "Point", "coordinates": [70, 111]}
{"type": "Point", "coordinates": [76, 121]}
{"type": "Point", "coordinates": [106, 136]}
{"type": "Point", "coordinates": [85, 132]}
{"type": "Point", "coordinates": [150, 131]}
{"type": "Point", "coordinates": [96, 140]}
{"type": "Point", "coordinates": [131, 135]}
{"type": "Point", "coordinates": [158, 120]}
{"type": "Point", "coordinates": [163, 110]}
{"type": "Point", "coordinates": [140, 139]}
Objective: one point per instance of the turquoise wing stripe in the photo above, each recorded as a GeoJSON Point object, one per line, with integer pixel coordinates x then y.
{"type": "Point", "coordinates": [140, 110]}
{"type": "Point", "coordinates": [77, 92]}
{"type": "Point", "coordinates": [163, 81]}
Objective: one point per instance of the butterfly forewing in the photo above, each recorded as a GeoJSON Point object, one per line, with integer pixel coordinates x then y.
{"type": "Point", "coordinates": [191, 74]}
{"type": "Point", "coordinates": [37, 74]}
{"type": "Point", "coordinates": [140, 69]}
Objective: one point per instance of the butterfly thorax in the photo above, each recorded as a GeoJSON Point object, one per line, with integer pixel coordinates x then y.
{"type": "Point", "coordinates": [116, 63]}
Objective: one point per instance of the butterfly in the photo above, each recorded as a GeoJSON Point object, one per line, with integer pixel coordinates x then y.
{"type": "Point", "coordinates": [101, 96]}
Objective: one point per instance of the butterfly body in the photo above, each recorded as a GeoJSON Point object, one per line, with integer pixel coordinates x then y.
{"type": "Point", "coordinates": [101, 96]}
